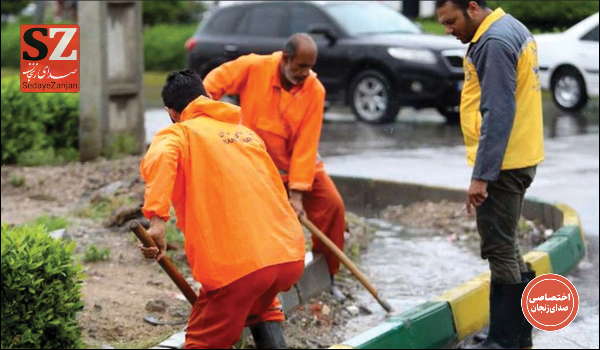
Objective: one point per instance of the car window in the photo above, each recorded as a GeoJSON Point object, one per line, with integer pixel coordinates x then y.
{"type": "Point", "coordinates": [265, 21]}
{"type": "Point", "coordinates": [303, 17]}
{"type": "Point", "coordinates": [362, 17]}
{"type": "Point", "coordinates": [592, 35]}
{"type": "Point", "coordinates": [222, 22]}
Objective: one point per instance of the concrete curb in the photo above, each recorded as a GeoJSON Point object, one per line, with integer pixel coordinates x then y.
{"type": "Point", "coordinates": [463, 310]}
{"type": "Point", "coordinates": [315, 280]}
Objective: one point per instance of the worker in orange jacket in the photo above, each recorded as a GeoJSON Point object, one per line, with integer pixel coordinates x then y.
{"type": "Point", "coordinates": [243, 241]}
{"type": "Point", "coordinates": [282, 101]}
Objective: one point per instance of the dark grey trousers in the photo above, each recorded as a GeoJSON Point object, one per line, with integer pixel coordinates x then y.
{"type": "Point", "coordinates": [497, 220]}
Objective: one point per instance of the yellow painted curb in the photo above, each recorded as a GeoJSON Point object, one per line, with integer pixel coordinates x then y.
{"type": "Point", "coordinates": [340, 346]}
{"type": "Point", "coordinates": [571, 218]}
{"type": "Point", "coordinates": [469, 303]}
{"type": "Point", "coordinates": [540, 262]}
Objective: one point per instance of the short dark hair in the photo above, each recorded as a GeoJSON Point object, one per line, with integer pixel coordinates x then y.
{"type": "Point", "coordinates": [181, 88]}
{"type": "Point", "coordinates": [291, 45]}
{"type": "Point", "coordinates": [461, 4]}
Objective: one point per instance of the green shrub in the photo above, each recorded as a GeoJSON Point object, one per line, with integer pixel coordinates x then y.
{"type": "Point", "coordinates": [62, 126]}
{"type": "Point", "coordinates": [167, 12]}
{"type": "Point", "coordinates": [164, 46]}
{"type": "Point", "coordinates": [93, 253]}
{"type": "Point", "coordinates": [22, 126]}
{"type": "Point", "coordinates": [41, 290]}
{"type": "Point", "coordinates": [38, 128]}
{"type": "Point", "coordinates": [547, 16]}
{"type": "Point", "coordinates": [11, 44]}
{"type": "Point", "coordinates": [97, 210]}
{"type": "Point", "coordinates": [16, 180]}
{"type": "Point", "coordinates": [13, 7]}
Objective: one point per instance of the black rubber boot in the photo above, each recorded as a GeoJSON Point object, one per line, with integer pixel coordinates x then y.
{"type": "Point", "coordinates": [268, 335]}
{"type": "Point", "coordinates": [505, 316]}
{"type": "Point", "coordinates": [525, 339]}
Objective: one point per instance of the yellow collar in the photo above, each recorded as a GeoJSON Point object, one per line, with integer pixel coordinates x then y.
{"type": "Point", "coordinates": [487, 23]}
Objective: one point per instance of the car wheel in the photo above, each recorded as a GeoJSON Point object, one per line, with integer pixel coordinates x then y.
{"type": "Point", "coordinates": [450, 112]}
{"type": "Point", "coordinates": [372, 98]}
{"type": "Point", "coordinates": [568, 89]}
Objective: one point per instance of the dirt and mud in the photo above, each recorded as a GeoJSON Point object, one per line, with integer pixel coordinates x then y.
{"type": "Point", "coordinates": [129, 301]}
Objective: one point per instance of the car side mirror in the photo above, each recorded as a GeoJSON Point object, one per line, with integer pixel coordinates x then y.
{"type": "Point", "coordinates": [324, 31]}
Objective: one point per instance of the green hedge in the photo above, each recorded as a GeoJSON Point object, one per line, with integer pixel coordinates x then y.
{"type": "Point", "coordinates": [41, 290]}
{"type": "Point", "coordinates": [164, 46]}
{"type": "Point", "coordinates": [13, 7]}
{"type": "Point", "coordinates": [166, 12]}
{"type": "Point", "coordinates": [38, 128]}
{"type": "Point", "coordinates": [11, 45]}
{"type": "Point", "coordinates": [547, 16]}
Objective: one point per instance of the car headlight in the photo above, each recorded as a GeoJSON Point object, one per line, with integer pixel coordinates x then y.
{"type": "Point", "coordinates": [423, 56]}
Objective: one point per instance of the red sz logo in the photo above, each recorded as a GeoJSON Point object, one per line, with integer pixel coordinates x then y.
{"type": "Point", "coordinates": [50, 58]}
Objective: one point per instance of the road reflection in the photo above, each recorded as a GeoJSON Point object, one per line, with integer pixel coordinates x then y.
{"type": "Point", "coordinates": [343, 135]}
{"type": "Point", "coordinates": [558, 123]}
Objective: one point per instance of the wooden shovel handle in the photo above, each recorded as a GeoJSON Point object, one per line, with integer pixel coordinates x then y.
{"type": "Point", "coordinates": [164, 262]}
{"type": "Point", "coordinates": [345, 260]}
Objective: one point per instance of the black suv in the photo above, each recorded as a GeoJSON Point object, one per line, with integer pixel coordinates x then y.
{"type": "Point", "coordinates": [370, 57]}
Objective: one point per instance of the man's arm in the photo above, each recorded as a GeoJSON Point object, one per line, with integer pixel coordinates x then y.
{"type": "Point", "coordinates": [497, 71]}
{"type": "Point", "coordinates": [306, 144]}
{"type": "Point", "coordinates": [496, 66]}
{"type": "Point", "coordinates": [159, 170]}
{"type": "Point", "coordinates": [229, 78]}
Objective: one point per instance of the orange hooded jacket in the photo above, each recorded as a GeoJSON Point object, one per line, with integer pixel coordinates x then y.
{"type": "Point", "coordinates": [227, 194]}
{"type": "Point", "coordinates": [288, 122]}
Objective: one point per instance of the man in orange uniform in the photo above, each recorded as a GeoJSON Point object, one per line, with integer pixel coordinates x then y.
{"type": "Point", "coordinates": [243, 241]}
{"type": "Point", "coordinates": [282, 101]}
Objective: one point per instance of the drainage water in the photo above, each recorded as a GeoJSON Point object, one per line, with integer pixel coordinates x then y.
{"type": "Point", "coordinates": [409, 267]}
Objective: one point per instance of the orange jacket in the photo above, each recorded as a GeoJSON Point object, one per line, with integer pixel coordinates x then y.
{"type": "Point", "coordinates": [289, 122]}
{"type": "Point", "coordinates": [228, 196]}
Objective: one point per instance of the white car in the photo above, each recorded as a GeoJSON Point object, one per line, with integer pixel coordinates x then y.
{"type": "Point", "coordinates": [569, 64]}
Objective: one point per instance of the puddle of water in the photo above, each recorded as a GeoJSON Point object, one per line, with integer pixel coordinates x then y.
{"type": "Point", "coordinates": [410, 266]}
{"type": "Point", "coordinates": [408, 269]}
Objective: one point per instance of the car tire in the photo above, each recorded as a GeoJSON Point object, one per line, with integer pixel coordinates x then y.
{"type": "Point", "coordinates": [450, 112]}
{"type": "Point", "coordinates": [372, 98]}
{"type": "Point", "coordinates": [568, 89]}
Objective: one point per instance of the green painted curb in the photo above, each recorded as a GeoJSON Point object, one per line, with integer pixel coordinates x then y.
{"type": "Point", "coordinates": [575, 239]}
{"type": "Point", "coordinates": [428, 325]}
{"type": "Point", "coordinates": [565, 248]}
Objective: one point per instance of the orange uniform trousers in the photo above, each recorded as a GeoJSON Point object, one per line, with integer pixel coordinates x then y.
{"type": "Point", "coordinates": [219, 316]}
{"type": "Point", "coordinates": [324, 207]}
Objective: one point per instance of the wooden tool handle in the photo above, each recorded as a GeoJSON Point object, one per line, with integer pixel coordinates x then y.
{"type": "Point", "coordinates": [164, 262]}
{"type": "Point", "coordinates": [345, 260]}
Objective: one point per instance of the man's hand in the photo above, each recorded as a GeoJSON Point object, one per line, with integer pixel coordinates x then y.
{"type": "Point", "coordinates": [296, 202]}
{"type": "Point", "coordinates": [476, 194]}
{"type": "Point", "coordinates": [158, 232]}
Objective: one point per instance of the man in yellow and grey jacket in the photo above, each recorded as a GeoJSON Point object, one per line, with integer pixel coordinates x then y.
{"type": "Point", "coordinates": [501, 120]}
